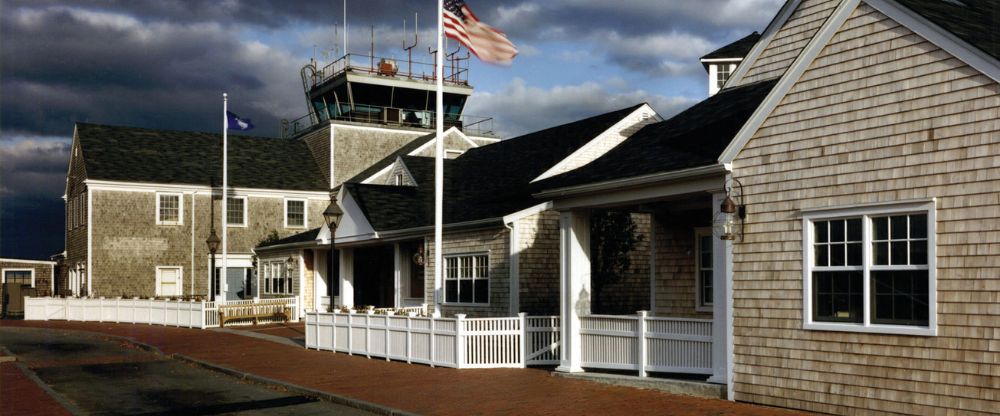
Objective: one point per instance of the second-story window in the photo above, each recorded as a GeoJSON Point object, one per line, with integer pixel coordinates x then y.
{"type": "Point", "coordinates": [236, 212]}
{"type": "Point", "coordinates": [722, 74]}
{"type": "Point", "coordinates": [169, 209]}
{"type": "Point", "coordinates": [295, 213]}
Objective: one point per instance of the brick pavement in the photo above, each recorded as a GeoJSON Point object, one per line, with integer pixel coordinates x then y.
{"type": "Point", "coordinates": [415, 388]}
{"type": "Point", "coordinates": [19, 395]}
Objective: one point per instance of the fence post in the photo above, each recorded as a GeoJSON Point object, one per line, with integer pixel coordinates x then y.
{"type": "Point", "coordinates": [431, 357]}
{"type": "Point", "coordinates": [524, 338]}
{"type": "Point", "coordinates": [388, 338]}
{"type": "Point", "coordinates": [409, 339]}
{"type": "Point", "coordinates": [459, 339]}
{"type": "Point", "coordinates": [368, 334]}
{"type": "Point", "coordinates": [643, 359]}
{"type": "Point", "coordinates": [350, 333]}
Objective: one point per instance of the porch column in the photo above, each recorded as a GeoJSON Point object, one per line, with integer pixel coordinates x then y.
{"type": "Point", "coordinates": [347, 277]}
{"type": "Point", "coordinates": [399, 261]}
{"type": "Point", "coordinates": [722, 311]}
{"type": "Point", "coordinates": [574, 284]}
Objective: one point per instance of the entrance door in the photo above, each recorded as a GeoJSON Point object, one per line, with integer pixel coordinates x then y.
{"type": "Point", "coordinates": [236, 283]}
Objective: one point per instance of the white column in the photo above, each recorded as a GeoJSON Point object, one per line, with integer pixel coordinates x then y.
{"type": "Point", "coordinates": [320, 278]}
{"type": "Point", "coordinates": [722, 311]}
{"type": "Point", "coordinates": [347, 277]}
{"type": "Point", "coordinates": [397, 276]}
{"type": "Point", "coordinates": [574, 284]}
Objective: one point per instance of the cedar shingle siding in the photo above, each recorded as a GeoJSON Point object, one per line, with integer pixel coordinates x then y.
{"type": "Point", "coordinates": [880, 116]}
{"type": "Point", "coordinates": [789, 41]}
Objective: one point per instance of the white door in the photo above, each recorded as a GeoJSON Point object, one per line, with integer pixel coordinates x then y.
{"type": "Point", "coordinates": [169, 281]}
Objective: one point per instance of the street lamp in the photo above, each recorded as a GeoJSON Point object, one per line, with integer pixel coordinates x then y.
{"type": "Point", "coordinates": [213, 246]}
{"type": "Point", "coordinates": [331, 215]}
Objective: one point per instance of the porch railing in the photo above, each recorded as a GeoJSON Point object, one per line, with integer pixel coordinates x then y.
{"type": "Point", "coordinates": [644, 343]}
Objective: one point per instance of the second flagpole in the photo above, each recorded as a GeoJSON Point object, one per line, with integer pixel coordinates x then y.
{"type": "Point", "coordinates": [439, 163]}
{"type": "Point", "coordinates": [222, 286]}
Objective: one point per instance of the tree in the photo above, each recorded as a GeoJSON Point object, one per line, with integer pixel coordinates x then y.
{"type": "Point", "coordinates": [612, 237]}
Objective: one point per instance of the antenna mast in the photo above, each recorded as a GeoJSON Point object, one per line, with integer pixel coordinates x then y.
{"type": "Point", "coordinates": [409, 49]}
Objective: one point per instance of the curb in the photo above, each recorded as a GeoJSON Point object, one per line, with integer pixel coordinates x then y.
{"type": "Point", "coordinates": [58, 397]}
{"type": "Point", "coordinates": [305, 391]}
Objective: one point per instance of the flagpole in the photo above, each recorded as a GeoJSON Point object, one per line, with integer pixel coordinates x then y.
{"type": "Point", "coordinates": [439, 163]}
{"type": "Point", "coordinates": [222, 287]}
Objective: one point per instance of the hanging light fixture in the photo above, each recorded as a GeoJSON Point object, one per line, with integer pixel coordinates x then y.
{"type": "Point", "coordinates": [728, 223]}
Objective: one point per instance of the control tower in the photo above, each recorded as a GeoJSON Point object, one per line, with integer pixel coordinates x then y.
{"type": "Point", "coordinates": [377, 90]}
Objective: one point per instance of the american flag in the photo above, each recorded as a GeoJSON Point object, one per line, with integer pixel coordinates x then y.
{"type": "Point", "coordinates": [488, 44]}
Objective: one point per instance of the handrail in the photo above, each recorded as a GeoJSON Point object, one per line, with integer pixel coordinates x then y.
{"type": "Point", "coordinates": [366, 64]}
{"type": "Point", "coordinates": [392, 116]}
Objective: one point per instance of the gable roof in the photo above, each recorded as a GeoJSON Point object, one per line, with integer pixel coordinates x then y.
{"type": "Point", "coordinates": [132, 154]}
{"type": "Point", "coordinates": [976, 22]}
{"type": "Point", "coordinates": [486, 182]}
{"type": "Point", "coordinates": [695, 137]}
{"type": "Point", "coordinates": [735, 50]}
{"type": "Point", "coordinates": [391, 157]}
{"type": "Point", "coordinates": [308, 236]}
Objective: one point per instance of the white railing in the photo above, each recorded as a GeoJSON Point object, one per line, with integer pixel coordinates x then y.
{"type": "Point", "coordinates": [188, 314]}
{"type": "Point", "coordinates": [491, 342]}
{"type": "Point", "coordinates": [419, 310]}
{"type": "Point", "coordinates": [541, 337]}
{"type": "Point", "coordinates": [432, 341]}
{"type": "Point", "coordinates": [643, 343]}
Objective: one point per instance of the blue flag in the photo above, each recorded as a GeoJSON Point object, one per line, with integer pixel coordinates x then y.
{"type": "Point", "coordinates": [237, 123]}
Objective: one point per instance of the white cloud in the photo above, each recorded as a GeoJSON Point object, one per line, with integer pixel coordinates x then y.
{"type": "Point", "coordinates": [520, 108]}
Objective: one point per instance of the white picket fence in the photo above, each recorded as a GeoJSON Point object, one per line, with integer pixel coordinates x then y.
{"type": "Point", "coordinates": [180, 313]}
{"type": "Point", "coordinates": [644, 343]}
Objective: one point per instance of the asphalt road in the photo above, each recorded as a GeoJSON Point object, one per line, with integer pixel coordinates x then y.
{"type": "Point", "coordinates": [105, 376]}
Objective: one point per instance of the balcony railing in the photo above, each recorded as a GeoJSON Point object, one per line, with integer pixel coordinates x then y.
{"type": "Point", "coordinates": [391, 116]}
{"type": "Point", "coordinates": [456, 72]}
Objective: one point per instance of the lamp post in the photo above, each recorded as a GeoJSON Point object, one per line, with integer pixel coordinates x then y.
{"type": "Point", "coordinates": [213, 246]}
{"type": "Point", "coordinates": [331, 215]}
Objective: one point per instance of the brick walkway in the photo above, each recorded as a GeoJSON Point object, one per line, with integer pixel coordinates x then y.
{"type": "Point", "coordinates": [19, 395]}
{"type": "Point", "coordinates": [415, 388]}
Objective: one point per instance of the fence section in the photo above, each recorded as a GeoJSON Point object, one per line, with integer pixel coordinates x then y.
{"type": "Point", "coordinates": [643, 343]}
{"type": "Point", "coordinates": [541, 338]}
{"type": "Point", "coordinates": [432, 341]}
{"type": "Point", "coordinates": [181, 313]}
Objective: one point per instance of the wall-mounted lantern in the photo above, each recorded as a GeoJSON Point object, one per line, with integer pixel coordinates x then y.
{"type": "Point", "coordinates": [728, 224]}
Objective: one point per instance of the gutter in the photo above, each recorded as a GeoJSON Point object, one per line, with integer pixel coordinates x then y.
{"type": "Point", "coordinates": [452, 226]}
{"type": "Point", "coordinates": [617, 184]}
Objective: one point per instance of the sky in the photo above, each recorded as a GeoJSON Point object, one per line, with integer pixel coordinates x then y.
{"type": "Point", "coordinates": [165, 64]}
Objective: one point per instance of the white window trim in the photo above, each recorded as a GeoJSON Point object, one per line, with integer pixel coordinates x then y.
{"type": "Point", "coordinates": [699, 304]}
{"type": "Point", "coordinates": [3, 274]}
{"type": "Point", "coordinates": [245, 210]}
{"type": "Point", "coordinates": [180, 279]}
{"type": "Point", "coordinates": [267, 278]}
{"type": "Point", "coordinates": [444, 278]}
{"type": "Point", "coordinates": [180, 208]}
{"type": "Point", "coordinates": [305, 212]}
{"type": "Point", "coordinates": [866, 211]}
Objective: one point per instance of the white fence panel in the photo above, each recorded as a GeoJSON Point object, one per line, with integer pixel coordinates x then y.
{"type": "Point", "coordinates": [491, 342]}
{"type": "Point", "coordinates": [542, 340]}
{"type": "Point", "coordinates": [643, 343]}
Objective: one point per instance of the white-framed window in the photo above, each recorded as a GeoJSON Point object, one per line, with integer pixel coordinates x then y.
{"type": "Point", "coordinates": [277, 279]}
{"type": "Point", "coordinates": [25, 276]}
{"type": "Point", "coordinates": [398, 179]}
{"type": "Point", "coordinates": [169, 280]}
{"type": "Point", "coordinates": [467, 279]}
{"type": "Point", "coordinates": [236, 211]}
{"type": "Point", "coordinates": [169, 208]}
{"type": "Point", "coordinates": [722, 74]}
{"type": "Point", "coordinates": [295, 213]}
{"type": "Point", "coordinates": [704, 258]}
{"type": "Point", "coordinates": [871, 269]}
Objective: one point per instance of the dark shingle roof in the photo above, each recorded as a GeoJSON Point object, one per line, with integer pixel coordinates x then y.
{"type": "Point", "coordinates": [134, 154]}
{"type": "Point", "coordinates": [391, 158]}
{"type": "Point", "coordinates": [695, 137]}
{"type": "Point", "coordinates": [974, 21]}
{"type": "Point", "coordinates": [305, 236]}
{"type": "Point", "coordinates": [484, 182]}
{"type": "Point", "coordinates": [737, 49]}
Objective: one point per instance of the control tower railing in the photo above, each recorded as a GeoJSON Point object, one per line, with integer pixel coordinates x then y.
{"type": "Point", "coordinates": [390, 116]}
{"type": "Point", "coordinates": [456, 71]}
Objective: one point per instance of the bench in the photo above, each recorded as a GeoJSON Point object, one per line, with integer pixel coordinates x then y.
{"type": "Point", "coordinates": [271, 310]}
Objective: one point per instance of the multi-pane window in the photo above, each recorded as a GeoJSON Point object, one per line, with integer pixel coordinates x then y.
{"type": "Point", "coordinates": [722, 73]}
{"type": "Point", "coordinates": [295, 213]}
{"type": "Point", "coordinates": [703, 262]}
{"type": "Point", "coordinates": [19, 276]}
{"type": "Point", "coordinates": [168, 281]}
{"type": "Point", "coordinates": [467, 279]}
{"type": "Point", "coordinates": [871, 271]}
{"type": "Point", "coordinates": [236, 211]}
{"type": "Point", "coordinates": [277, 279]}
{"type": "Point", "coordinates": [168, 209]}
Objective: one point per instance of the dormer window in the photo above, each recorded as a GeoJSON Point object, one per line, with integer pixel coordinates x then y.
{"type": "Point", "coordinates": [722, 74]}
{"type": "Point", "coordinates": [399, 179]}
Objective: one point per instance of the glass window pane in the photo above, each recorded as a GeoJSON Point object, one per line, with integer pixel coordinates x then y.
{"type": "Point", "coordinates": [821, 232]}
{"type": "Point", "coordinates": [897, 252]}
{"type": "Point", "coordinates": [451, 291]}
{"type": "Point", "coordinates": [234, 213]}
{"type": "Point", "coordinates": [881, 253]}
{"type": "Point", "coordinates": [841, 304]}
{"type": "Point", "coordinates": [900, 297]}
{"type": "Point", "coordinates": [837, 231]}
{"type": "Point", "coordinates": [854, 254]}
{"type": "Point", "coordinates": [897, 227]}
{"type": "Point", "coordinates": [295, 213]}
{"type": "Point", "coordinates": [822, 255]}
{"type": "Point", "coordinates": [837, 254]}
{"type": "Point", "coordinates": [918, 226]}
{"type": "Point", "coordinates": [482, 291]}
{"type": "Point", "coordinates": [854, 229]}
{"type": "Point", "coordinates": [880, 228]}
{"type": "Point", "coordinates": [465, 290]}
